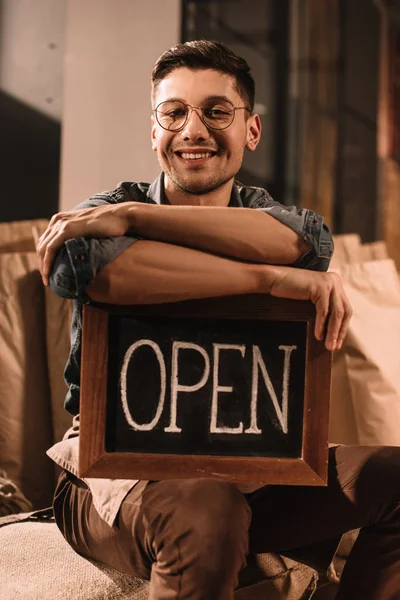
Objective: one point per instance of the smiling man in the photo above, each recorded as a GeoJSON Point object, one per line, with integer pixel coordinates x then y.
{"type": "Point", "coordinates": [198, 163]}
{"type": "Point", "coordinates": [196, 233]}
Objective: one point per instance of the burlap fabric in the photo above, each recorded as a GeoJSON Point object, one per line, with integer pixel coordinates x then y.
{"type": "Point", "coordinates": [36, 563]}
{"type": "Point", "coordinates": [12, 500]}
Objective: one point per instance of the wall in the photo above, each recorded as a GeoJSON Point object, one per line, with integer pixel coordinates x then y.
{"type": "Point", "coordinates": [110, 50]}
{"type": "Point", "coordinates": [31, 77]}
{"type": "Point", "coordinates": [31, 57]}
{"type": "Point", "coordinates": [389, 168]}
{"type": "Point", "coordinates": [251, 29]}
{"type": "Point", "coordinates": [313, 79]}
{"type": "Point", "coordinates": [356, 207]}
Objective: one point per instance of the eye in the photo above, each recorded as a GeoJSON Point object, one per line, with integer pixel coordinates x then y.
{"type": "Point", "coordinates": [171, 112]}
{"type": "Point", "coordinates": [217, 112]}
{"type": "Point", "coordinates": [176, 113]}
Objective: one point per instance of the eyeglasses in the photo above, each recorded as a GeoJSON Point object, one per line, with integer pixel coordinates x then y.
{"type": "Point", "coordinates": [218, 114]}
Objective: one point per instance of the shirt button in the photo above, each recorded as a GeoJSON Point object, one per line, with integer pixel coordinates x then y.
{"type": "Point", "coordinates": [79, 257]}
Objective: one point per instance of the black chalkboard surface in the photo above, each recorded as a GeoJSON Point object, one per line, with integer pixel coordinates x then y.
{"type": "Point", "coordinates": [236, 388]}
{"type": "Point", "coordinates": [219, 387]}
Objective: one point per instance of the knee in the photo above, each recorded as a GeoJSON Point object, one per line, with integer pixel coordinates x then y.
{"type": "Point", "coordinates": [203, 509]}
{"type": "Point", "coordinates": [214, 506]}
{"type": "Point", "coordinates": [374, 471]}
{"type": "Point", "coordinates": [201, 525]}
{"type": "Point", "coordinates": [382, 466]}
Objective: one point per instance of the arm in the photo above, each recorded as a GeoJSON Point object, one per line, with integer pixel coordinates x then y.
{"type": "Point", "coordinates": [241, 233]}
{"type": "Point", "coordinates": [151, 272]}
{"type": "Point", "coordinates": [104, 268]}
{"type": "Point", "coordinates": [168, 273]}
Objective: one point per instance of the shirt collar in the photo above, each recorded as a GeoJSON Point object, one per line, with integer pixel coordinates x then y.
{"type": "Point", "coordinates": [156, 193]}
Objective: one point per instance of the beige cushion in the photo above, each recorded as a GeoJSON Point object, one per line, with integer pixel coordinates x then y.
{"type": "Point", "coordinates": [34, 336]}
{"type": "Point", "coordinates": [36, 563]}
{"type": "Point", "coordinates": [365, 401]}
{"type": "Point", "coordinates": [18, 236]}
{"type": "Point", "coordinates": [25, 418]}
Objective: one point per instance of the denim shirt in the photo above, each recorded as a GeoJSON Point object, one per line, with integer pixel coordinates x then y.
{"type": "Point", "coordinates": [81, 259]}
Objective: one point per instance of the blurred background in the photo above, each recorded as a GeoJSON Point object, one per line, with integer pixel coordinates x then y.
{"type": "Point", "coordinates": [75, 119]}
{"type": "Point", "coordinates": [75, 108]}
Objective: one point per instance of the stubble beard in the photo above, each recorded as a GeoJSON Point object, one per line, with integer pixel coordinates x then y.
{"type": "Point", "coordinates": [197, 186]}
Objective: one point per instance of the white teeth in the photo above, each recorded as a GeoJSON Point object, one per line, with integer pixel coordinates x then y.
{"type": "Point", "coordinates": [193, 156]}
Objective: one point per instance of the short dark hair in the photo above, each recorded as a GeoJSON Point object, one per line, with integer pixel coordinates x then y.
{"type": "Point", "coordinates": [206, 54]}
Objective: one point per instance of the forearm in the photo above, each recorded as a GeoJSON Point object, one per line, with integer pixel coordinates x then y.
{"type": "Point", "coordinates": [241, 233]}
{"type": "Point", "coordinates": [155, 272]}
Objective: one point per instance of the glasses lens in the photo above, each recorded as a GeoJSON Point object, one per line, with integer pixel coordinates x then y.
{"type": "Point", "coordinates": [218, 114]}
{"type": "Point", "coordinates": [171, 115]}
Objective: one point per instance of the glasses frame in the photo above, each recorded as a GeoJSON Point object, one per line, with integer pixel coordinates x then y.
{"type": "Point", "coordinates": [200, 115]}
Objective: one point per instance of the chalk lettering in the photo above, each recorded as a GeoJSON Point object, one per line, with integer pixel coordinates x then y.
{"type": "Point", "coordinates": [176, 387]}
{"type": "Point", "coordinates": [281, 413]}
{"type": "Point", "coordinates": [124, 399]}
{"type": "Point", "coordinates": [258, 366]}
{"type": "Point", "coordinates": [214, 428]}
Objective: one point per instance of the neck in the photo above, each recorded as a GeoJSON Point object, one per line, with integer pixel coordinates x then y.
{"type": "Point", "coordinates": [218, 197]}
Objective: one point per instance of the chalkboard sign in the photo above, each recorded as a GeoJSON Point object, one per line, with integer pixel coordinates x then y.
{"type": "Point", "coordinates": [236, 388]}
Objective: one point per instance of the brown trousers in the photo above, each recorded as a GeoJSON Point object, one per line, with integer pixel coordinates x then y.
{"type": "Point", "coordinates": [190, 537]}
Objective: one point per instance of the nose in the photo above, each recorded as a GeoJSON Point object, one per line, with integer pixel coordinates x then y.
{"type": "Point", "coordinates": [195, 129]}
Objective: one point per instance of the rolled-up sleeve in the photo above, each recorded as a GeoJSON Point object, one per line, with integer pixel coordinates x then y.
{"type": "Point", "coordinates": [80, 259]}
{"type": "Point", "coordinates": [311, 228]}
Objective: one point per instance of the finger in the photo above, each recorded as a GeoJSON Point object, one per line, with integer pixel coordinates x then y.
{"type": "Point", "coordinates": [60, 216]}
{"type": "Point", "coordinates": [40, 253]}
{"type": "Point", "coordinates": [336, 316]}
{"type": "Point", "coordinates": [42, 245]}
{"type": "Point", "coordinates": [322, 308]}
{"type": "Point", "coordinates": [345, 324]}
{"type": "Point", "coordinates": [53, 243]}
{"type": "Point", "coordinates": [44, 235]}
{"type": "Point", "coordinates": [55, 218]}
{"type": "Point", "coordinates": [66, 227]}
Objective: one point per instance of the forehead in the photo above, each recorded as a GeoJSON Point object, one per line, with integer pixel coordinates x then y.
{"type": "Point", "coordinates": [195, 86]}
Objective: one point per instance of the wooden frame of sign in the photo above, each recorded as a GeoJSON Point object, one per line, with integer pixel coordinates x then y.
{"type": "Point", "coordinates": [270, 426]}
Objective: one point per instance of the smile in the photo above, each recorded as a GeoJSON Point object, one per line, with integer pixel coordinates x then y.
{"type": "Point", "coordinates": [195, 155]}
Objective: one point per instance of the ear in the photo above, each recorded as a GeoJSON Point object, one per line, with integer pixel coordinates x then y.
{"type": "Point", "coordinates": [153, 134]}
{"type": "Point", "coordinates": [253, 132]}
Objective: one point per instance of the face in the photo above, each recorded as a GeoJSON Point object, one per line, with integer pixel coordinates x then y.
{"type": "Point", "coordinates": [221, 151]}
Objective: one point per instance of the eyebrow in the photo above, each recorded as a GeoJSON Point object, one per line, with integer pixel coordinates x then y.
{"type": "Point", "coordinates": [216, 97]}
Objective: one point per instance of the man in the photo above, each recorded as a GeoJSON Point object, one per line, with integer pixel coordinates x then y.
{"type": "Point", "coordinates": [178, 239]}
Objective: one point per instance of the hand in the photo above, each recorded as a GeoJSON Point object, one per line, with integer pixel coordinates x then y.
{"type": "Point", "coordinates": [100, 222]}
{"type": "Point", "coordinates": [325, 290]}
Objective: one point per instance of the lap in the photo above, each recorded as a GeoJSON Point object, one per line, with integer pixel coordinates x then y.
{"type": "Point", "coordinates": [360, 480]}
{"type": "Point", "coordinates": [91, 536]}
{"type": "Point", "coordinates": [283, 518]}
